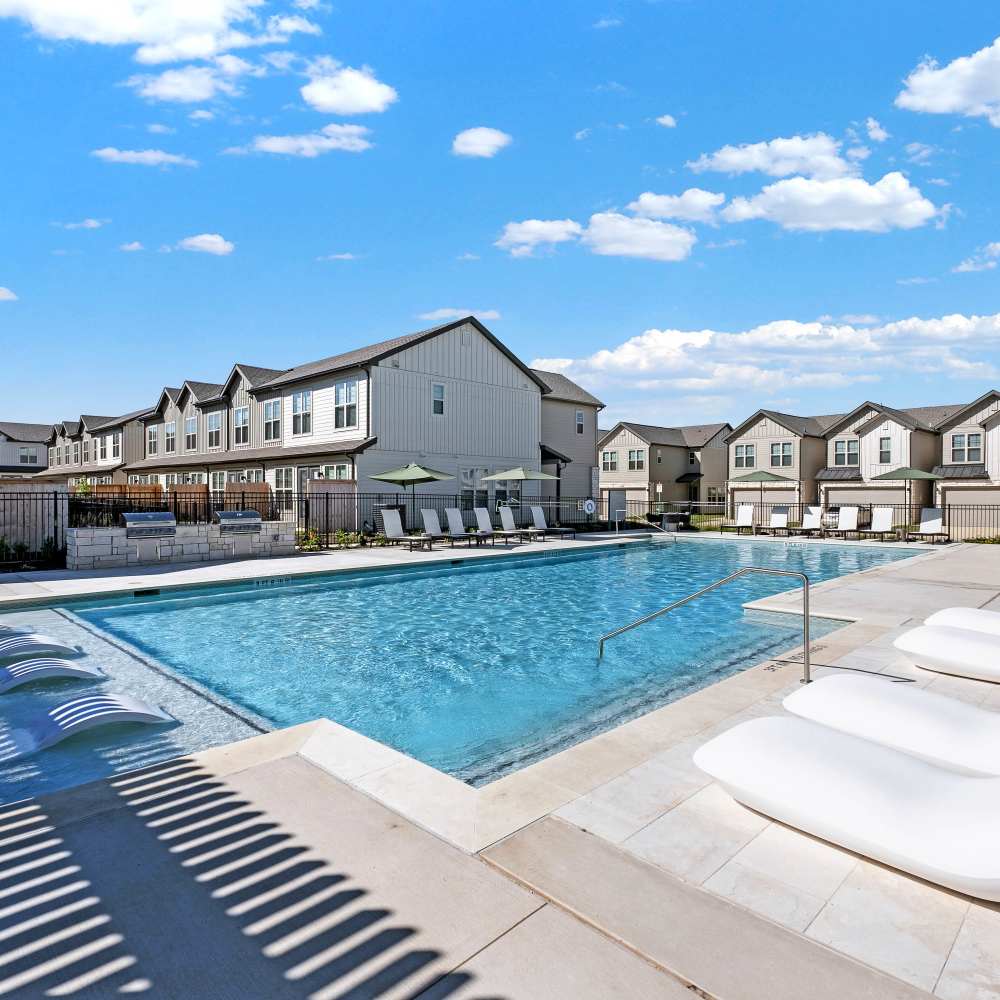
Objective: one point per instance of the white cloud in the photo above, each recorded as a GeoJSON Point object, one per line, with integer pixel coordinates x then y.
{"type": "Point", "coordinates": [343, 90]}
{"type": "Point", "coordinates": [132, 247]}
{"type": "Point", "coordinates": [201, 115]}
{"type": "Point", "coordinates": [192, 84]}
{"type": "Point", "coordinates": [6, 295]}
{"type": "Point", "coordinates": [608, 22]}
{"type": "Point", "coordinates": [694, 205]}
{"type": "Point", "coordinates": [984, 259]}
{"type": "Point", "coordinates": [858, 153]}
{"type": "Point", "coordinates": [860, 319]}
{"type": "Point", "coordinates": [915, 281]}
{"type": "Point", "coordinates": [338, 256]}
{"type": "Point", "coordinates": [157, 129]}
{"type": "Point", "coordinates": [846, 203]}
{"type": "Point", "coordinates": [480, 141]}
{"type": "Point", "coordinates": [522, 238]}
{"type": "Point", "coordinates": [667, 121]}
{"type": "Point", "coordinates": [442, 315]}
{"type": "Point", "coordinates": [211, 243]}
{"type": "Point", "coordinates": [724, 244]}
{"type": "Point", "coordinates": [813, 155]}
{"type": "Point", "coordinates": [582, 134]}
{"type": "Point", "coordinates": [875, 131]}
{"type": "Point", "coordinates": [346, 138]}
{"type": "Point", "coordinates": [612, 235]}
{"type": "Point", "coordinates": [919, 152]}
{"type": "Point", "coordinates": [467, 256]}
{"type": "Point", "coordinates": [969, 86]}
{"type": "Point", "coordinates": [83, 224]}
{"type": "Point", "coordinates": [144, 157]}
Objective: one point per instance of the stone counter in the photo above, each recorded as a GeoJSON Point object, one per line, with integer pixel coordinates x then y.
{"type": "Point", "coordinates": [108, 548]}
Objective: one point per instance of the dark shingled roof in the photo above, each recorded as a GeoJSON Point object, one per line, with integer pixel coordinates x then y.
{"type": "Point", "coordinates": [258, 376]}
{"type": "Point", "coordinates": [203, 390]}
{"type": "Point", "coordinates": [376, 352]}
{"type": "Point", "coordinates": [25, 432]}
{"type": "Point", "coordinates": [805, 426]}
{"type": "Point", "coordinates": [244, 455]}
{"type": "Point", "coordinates": [91, 423]}
{"type": "Point", "coordinates": [124, 418]}
{"type": "Point", "coordinates": [561, 387]}
{"type": "Point", "coordinates": [971, 470]}
{"type": "Point", "coordinates": [70, 427]}
{"type": "Point", "coordinates": [693, 436]}
{"type": "Point", "coordinates": [839, 474]}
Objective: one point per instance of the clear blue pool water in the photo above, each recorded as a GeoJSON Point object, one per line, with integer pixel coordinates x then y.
{"type": "Point", "coordinates": [481, 669]}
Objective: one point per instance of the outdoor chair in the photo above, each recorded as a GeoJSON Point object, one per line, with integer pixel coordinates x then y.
{"type": "Point", "coordinates": [881, 524]}
{"type": "Point", "coordinates": [456, 528]}
{"type": "Point", "coordinates": [812, 523]}
{"type": "Point", "coordinates": [538, 517]}
{"type": "Point", "coordinates": [432, 525]}
{"type": "Point", "coordinates": [744, 518]}
{"type": "Point", "coordinates": [395, 535]}
{"type": "Point", "coordinates": [945, 649]}
{"type": "Point", "coordinates": [486, 529]}
{"type": "Point", "coordinates": [931, 526]}
{"type": "Point", "coordinates": [847, 522]}
{"type": "Point", "coordinates": [507, 520]}
{"type": "Point", "coordinates": [778, 522]}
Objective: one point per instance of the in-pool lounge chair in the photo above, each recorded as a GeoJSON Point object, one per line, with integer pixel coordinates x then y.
{"type": "Point", "coordinates": [941, 730]}
{"type": "Point", "coordinates": [881, 524]}
{"type": "Point", "coordinates": [76, 716]}
{"type": "Point", "coordinates": [778, 522]}
{"type": "Point", "coordinates": [949, 650]}
{"type": "Point", "coordinates": [456, 528]}
{"type": "Point", "coordinates": [507, 520]}
{"type": "Point", "coordinates": [931, 526]}
{"type": "Point", "coordinates": [538, 517]}
{"type": "Point", "coordinates": [886, 805]}
{"type": "Point", "coordinates": [31, 644]}
{"type": "Point", "coordinates": [486, 530]}
{"type": "Point", "coordinates": [812, 523]}
{"type": "Point", "coordinates": [847, 522]}
{"type": "Point", "coordinates": [44, 668]}
{"type": "Point", "coordinates": [974, 619]}
{"type": "Point", "coordinates": [395, 535]}
{"type": "Point", "coordinates": [744, 518]}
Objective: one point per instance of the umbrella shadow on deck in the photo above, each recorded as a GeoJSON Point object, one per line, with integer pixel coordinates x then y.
{"type": "Point", "coordinates": [190, 890]}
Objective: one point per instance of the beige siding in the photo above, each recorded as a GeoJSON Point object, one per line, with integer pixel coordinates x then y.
{"type": "Point", "coordinates": [762, 434]}
{"type": "Point", "coordinates": [559, 432]}
{"type": "Point", "coordinates": [10, 452]}
{"type": "Point", "coordinates": [899, 438]}
{"type": "Point", "coordinates": [985, 423]}
{"type": "Point", "coordinates": [323, 397]}
{"type": "Point", "coordinates": [623, 442]}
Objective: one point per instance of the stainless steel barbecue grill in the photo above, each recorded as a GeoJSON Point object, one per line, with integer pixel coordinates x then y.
{"type": "Point", "coordinates": [149, 524]}
{"type": "Point", "coordinates": [238, 522]}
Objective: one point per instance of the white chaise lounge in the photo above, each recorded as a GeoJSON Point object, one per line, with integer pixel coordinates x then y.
{"type": "Point", "coordinates": [486, 529]}
{"type": "Point", "coordinates": [394, 534]}
{"type": "Point", "coordinates": [949, 650]}
{"type": "Point", "coordinates": [941, 730]}
{"type": "Point", "coordinates": [884, 804]}
{"type": "Point", "coordinates": [456, 527]}
{"type": "Point", "coordinates": [538, 518]}
{"type": "Point", "coordinates": [31, 644]}
{"type": "Point", "coordinates": [744, 518]}
{"type": "Point", "coordinates": [847, 522]}
{"type": "Point", "coordinates": [974, 619]}
{"type": "Point", "coordinates": [931, 526]}
{"type": "Point", "coordinates": [76, 716]}
{"type": "Point", "coordinates": [881, 524]}
{"type": "Point", "coordinates": [432, 525]}
{"type": "Point", "coordinates": [812, 522]}
{"type": "Point", "coordinates": [510, 528]}
{"type": "Point", "coordinates": [777, 522]}
{"type": "Point", "coordinates": [44, 668]}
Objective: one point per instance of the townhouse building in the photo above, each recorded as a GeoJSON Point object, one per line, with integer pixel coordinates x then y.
{"type": "Point", "coordinates": [969, 465]}
{"type": "Point", "coordinates": [23, 449]}
{"type": "Point", "coordinates": [645, 462]}
{"type": "Point", "coordinates": [452, 398]}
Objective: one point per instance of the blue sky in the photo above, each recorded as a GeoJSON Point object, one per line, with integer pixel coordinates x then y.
{"type": "Point", "coordinates": [694, 208]}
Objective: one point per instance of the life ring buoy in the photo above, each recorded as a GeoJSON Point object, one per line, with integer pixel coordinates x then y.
{"type": "Point", "coordinates": [589, 507]}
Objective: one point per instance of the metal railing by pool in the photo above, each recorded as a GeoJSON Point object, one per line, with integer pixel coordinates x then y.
{"type": "Point", "coordinates": [746, 570]}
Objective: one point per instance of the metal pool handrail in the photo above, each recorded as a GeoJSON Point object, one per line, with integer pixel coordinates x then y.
{"type": "Point", "coordinates": [806, 669]}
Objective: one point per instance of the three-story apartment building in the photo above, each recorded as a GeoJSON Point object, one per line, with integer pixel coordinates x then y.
{"type": "Point", "coordinates": [94, 449]}
{"type": "Point", "coordinates": [23, 449]}
{"type": "Point", "coordinates": [645, 462]}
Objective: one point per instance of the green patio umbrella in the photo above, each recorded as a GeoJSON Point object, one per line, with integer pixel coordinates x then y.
{"type": "Point", "coordinates": [761, 476]}
{"type": "Point", "coordinates": [411, 475]}
{"type": "Point", "coordinates": [520, 473]}
{"type": "Point", "coordinates": [907, 475]}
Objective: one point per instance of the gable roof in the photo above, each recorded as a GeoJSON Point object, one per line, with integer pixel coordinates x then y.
{"type": "Point", "coordinates": [959, 412]}
{"type": "Point", "coordinates": [35, 433]}
{"type": "Point", "coordinates": [363, 356]}
{"type": "Point", "coordinates": [561, 387]}
{"type": "Point", "coordinates": [124, 418]}
{"type": "Point", "coordinates": [255, 376]}
{"type": "Point", "coordinates": [691, 436]}
{"type": "Point", "coordinates": [803, 426]}
{"type": "Point", "coordinates": [920, 418]}
{"type": "Point", "coordinates": [68, 427]}
{"type": "Point", "coordinates": [201, 391]}
{"type": "Point", "coordinates": [169, 394]}
{"type": "Point", "coordinates": [91, 423]}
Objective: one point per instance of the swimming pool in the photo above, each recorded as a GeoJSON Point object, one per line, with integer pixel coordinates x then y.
{"type": "Point", "coordinates": [481, 668]}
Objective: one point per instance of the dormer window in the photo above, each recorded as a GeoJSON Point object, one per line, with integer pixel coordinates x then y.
{"type": "Point", "coordinates": [967, 447]}
{"type": "Point", "coordinates": [151, 440]}
{"type": "Point", "coordinates": [169, 438]}
{"type": "Point", "coordinates": [214, 421]}
{"type": "Point", "coordinates": [241, 425]}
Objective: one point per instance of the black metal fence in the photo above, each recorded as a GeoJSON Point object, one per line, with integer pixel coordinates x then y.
{"type": "Point", "coordinates": [32, 529]}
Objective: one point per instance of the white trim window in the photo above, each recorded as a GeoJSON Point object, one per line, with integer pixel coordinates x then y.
{"type": "Point", "coordinates": [302, 404]}
{"type": "Point", "coordinates": [27, 456]}
{"type": "Point", "coordinates": [437, 399]}
{"type": "Point", "coordinates": [272, 420]}
{"type": "Point", "coordinates": [52, 456]}
{"type": "Point", "coordinates": [715, 494]}
{"type": "Point", "coordinates": [744, 456]}
{"type": "Point", "coordinates": [609, 461]}
{"type": "Point", "coordinates": [116, 444]}
{"type": "Point", "coordinates": [218, 482]}
{"type": "Point", "coordinates": [636, 460]}
{"type": "Point", "coordinates": [241, 426]}
{"type": "Point", "coordinates": [151, 440]}
{"type": "Point", "coordinates": [214, 424]}
{"type": "Point", "coordinates": [579, 421]}
{"type": "Point", "coordinates": [781, 454]}
{"type": "Point", "coordinates": [341, 470]}
{"type": "Point", "coordinates": [884, 450]}
{"type": "Point", "coordinates": [171, 479]}
{"type": "Point", "coordinates": [284, 486]}
{"type": "Point", "coordinates": [76, 452]}
{"type": "Point", "coordinates": [190, 433]}
{"type": "Point", "coordinates": [345, 404]}
{"type": "Point", "coordinates": [169, 439]}
{"type": "Point", "coordinates": [692, 458]}
{"type": "Point", "coordinates": [967, 447]}
{"type": "Point", "coordinates": [104, 447]}
{"type": "Point", "coordinates": [86, 450]}
{"type": "Point", "coordinates": [847, 451]}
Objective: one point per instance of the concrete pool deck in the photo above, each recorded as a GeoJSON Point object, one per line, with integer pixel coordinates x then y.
{"type": "Point", "coordinates": [635, 863]}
